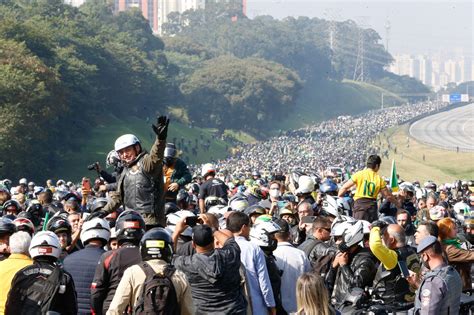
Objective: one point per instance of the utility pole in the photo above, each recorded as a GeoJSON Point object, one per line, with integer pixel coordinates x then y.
{"type": "Point", "coordinates": [359, 66]}
{"type": "Point", "coordinates": [382, 100]}
{"type": "Point", "coordinates": [388, 26]}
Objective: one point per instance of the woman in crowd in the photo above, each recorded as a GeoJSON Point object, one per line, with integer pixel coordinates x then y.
{"type": "Point", "coordinates": [312, 296]}
{"type": "Point", "coordinates": [461, 258]}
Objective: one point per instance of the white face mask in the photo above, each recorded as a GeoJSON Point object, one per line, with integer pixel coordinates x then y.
{"type": "Point", "coordinates": [275, 193]}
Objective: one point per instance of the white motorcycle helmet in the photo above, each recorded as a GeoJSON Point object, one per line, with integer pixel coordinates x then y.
{"type": "Point", "coordinates": [45, 243]}
{"type": "Point", "coordinates": [112, 158]}
{"type": "Point", "coordinates": [173, 218]}
{"type": "Point", "coordinates": [421, 193]}
{"type": "Point", "coordinates": [366, 225]}
{"type": "Point", "coordinates": [125, 141]}
{"type": "Point", "coordinates": [218, 210]}
{"type": "Point", "coordinates": [353, 235]}
{"type": "Point", "coordinates": [305, 185]}
{"type": "Point", "coordinates": [408, 187]}
{"type": "Point", "coordinates": [238, 204]}
{"type": "Point", "coordinates": [207, 168]}
{"type": "Point", "coordinates": [340, 228]}
{"type": "Point", "coordinates": [336, 206]}
{"type": "Point", "coordinates": [260, 234]}
{"type": "Point", "coordinates": [96, 228]}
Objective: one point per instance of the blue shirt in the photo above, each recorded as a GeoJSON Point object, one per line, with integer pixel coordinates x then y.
{"type": "Point", "coordinates": [253, 260]}
{"type": "Point", "coordinates": [293, 263]}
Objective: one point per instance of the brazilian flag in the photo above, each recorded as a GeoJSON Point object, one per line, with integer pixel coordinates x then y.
{"type": "Point", "coordinates": [393, 178]}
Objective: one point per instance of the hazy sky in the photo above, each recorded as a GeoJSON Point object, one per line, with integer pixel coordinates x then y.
{"type": "Point", "coordinates": [431, 27]}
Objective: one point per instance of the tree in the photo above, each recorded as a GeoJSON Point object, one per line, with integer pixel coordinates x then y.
{"type": "Point", "coordinates": [240, 93]}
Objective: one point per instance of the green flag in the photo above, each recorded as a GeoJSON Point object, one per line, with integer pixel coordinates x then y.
{"type": "Point", "coordinates": [393, 178]}
{"type": "Point", "coordinates": [348, 174]}
{"type": "Point", "coordinates": [46, 219]}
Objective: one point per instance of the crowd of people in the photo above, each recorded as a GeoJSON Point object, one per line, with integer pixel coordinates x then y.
{"type": "Point", "coordinates": [151, 238]}
{"type": "Point", "coordinates": [344, 141]}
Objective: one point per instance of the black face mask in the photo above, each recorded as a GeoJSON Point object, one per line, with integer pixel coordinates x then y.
{"type": "Point", "coordinates": [470, 238]}
{"type": "Point", "coordinates": [168, 161]}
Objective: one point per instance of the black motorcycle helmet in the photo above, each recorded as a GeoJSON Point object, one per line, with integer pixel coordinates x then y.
{"type": "Point", "coordinates": [35, 213]}
{"type": "Point", "coordinates": [171, 207]}
{"type": "Point", "coordinates": [58, 224]}
{"type": "Point", "coordinates": [98, 204]}
{"type": "Point", "coordinates": [130, 226]}
{"type": "Point", "coordinates": [183, 198]}
{"type": "Point", "coordinates": [11, 205]}
{"type": "Point", "coordinates": [156, 244]}
{"type": "Point", "coordinates": [7, 226]}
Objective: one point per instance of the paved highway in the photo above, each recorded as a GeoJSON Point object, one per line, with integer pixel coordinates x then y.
{"type": "Point", "coordinates": [450, 129]}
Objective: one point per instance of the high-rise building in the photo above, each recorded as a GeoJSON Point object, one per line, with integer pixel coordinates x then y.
{"type": "Point", "coordinates": [156, 11]}
{"type": "Point", "coordinates": [435, 71]}
{"type": "Point", "coordinates": [425, 69]}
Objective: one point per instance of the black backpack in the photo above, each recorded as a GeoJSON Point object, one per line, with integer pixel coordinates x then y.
{"type": "Point", "coordinates": [158, 294]}
{"type": "Point", "coordinates": [32, 292]}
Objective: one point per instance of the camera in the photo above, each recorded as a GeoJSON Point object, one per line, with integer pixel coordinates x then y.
{"type": "Point", "coordinates": [93, 166]}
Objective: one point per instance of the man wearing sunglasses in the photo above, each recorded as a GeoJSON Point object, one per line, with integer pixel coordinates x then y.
{"type": "Point", "coordinates": [316, 247]}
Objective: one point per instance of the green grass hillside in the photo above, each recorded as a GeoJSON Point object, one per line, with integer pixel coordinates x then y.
{"type": "Point", "coordinates": [338, 98]}
{"type": "Point", "coordinates": [103, 136]}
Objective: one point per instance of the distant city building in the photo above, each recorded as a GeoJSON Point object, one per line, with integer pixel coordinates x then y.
{"type": "Point", "coordinates": [434, 71]}
{"type": "Point", "coordinates": [156, 11]}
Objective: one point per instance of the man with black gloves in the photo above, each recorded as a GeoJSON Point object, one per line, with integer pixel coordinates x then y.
{"type": "Point", "coordinates": [394, 255]}
{"type": "Point", "coordinates": [82, 264]}
{"type": "Point", "coordinates": [130, 228]}
{"type": "Point", "coordinates": [175, 173]}
{"type": "Point", "coordinates": [140, 186]}
{"type": "Point", "coordinates": [353, 266]}
{"type": "Point", "coordinates": [42, 286]}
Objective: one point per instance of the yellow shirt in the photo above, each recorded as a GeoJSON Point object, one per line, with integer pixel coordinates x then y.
{"type": "Point", "coordinates": [368, 183]}
{"type": "Point", "coordinates": [8, 269]}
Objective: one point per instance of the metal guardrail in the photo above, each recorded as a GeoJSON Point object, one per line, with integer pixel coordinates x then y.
{"type": "Point", "coordinates": [444, 147]}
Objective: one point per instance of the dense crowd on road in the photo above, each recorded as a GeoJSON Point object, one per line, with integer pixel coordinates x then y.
{"type": "Point", "coordinates": [248, 235]}
{"type": "Point", "coordinates": [344, 141]}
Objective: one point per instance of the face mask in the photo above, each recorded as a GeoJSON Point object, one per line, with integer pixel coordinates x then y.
{"type": "Point", "coordinates": [425, 263]}
{"type": "Point", "coordinates": [168, 161]}
{"type": "Point", "coordinates": [275, 193]}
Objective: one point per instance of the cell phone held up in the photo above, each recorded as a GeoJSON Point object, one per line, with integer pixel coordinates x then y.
{"type": "Point", "coordinates": [191, 221]}
{"type": "Point", "coordinates": [308, 219]}
{"type": "Point", "coordinates": [86, 183]}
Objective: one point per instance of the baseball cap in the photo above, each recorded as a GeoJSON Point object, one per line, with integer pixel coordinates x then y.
{"type": "Point", "coordinates": [202, 235]}
{"type": "Point", "coordinates": [286, 211]}
{"type": "Point", "coordinates": [285, 228]}
{"type": "Point", "coordinates": [425, 243]}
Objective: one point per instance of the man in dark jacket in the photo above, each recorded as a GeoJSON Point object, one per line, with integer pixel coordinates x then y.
{"type": "Point", "coordinates": [82, 264]}
{"type": "Point", "coordinates": [175, 173]}
{"type": "Point", "coordinates": [316, 248]}
{"type": "Point", "coordinates": [388, 244]}
{"type": "Point", "coordinates": [140, 186]}
{"type": "Point", "coordinates": [353, 266]}
{"type": "Point", "coordinates": [214, 274]}
{"type": "Point", "coordinates": [130, 228]}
